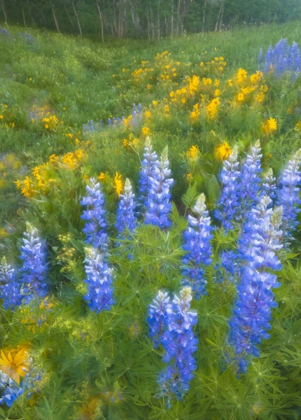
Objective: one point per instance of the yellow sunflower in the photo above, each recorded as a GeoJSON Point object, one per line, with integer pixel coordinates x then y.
{"type": "Point", "coordinates": [223, 151]}
{"type": "Point", "coordinates": [14, 363]}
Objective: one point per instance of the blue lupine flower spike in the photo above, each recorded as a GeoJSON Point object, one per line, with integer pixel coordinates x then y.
{"type": "Point", "coordinates": [99, 280]}
{"type": "Point", "coordinates": [179, 343]}
{"type": "Point", "coordinates": [228, 204]}
{"type": "Point", "coordinates": [289, 196]}
{"type": "Point", "coordinates": [255, 300]}
{"type": "Point", "coordinates": [269, 187]}
{"type": "Point", "coordinates": [94, 215]}
{"type": "Point", "coordinates": [198, 247]}
{"type": "Point", "coordinates": [9, 286]}
{"type": "Point", "coordinates": [34, 267]}
{"type": "Point", "coordinates": [250, 181]}
{"type": "Point", "coordinates": [126, 219]}
{"type": "Point", "coordinates": [9, 390]}
{"type": "Point", "coordinates": [149, 163]}
{"type": "Point", "coordinates": [158, 202]}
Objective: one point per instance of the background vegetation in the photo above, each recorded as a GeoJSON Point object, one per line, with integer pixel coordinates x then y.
{"type": "Point", "coordinates": [145, 18]}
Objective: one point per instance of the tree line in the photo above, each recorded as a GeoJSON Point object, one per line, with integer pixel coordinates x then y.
{"type": "Point", "coordinates": [145, 18]}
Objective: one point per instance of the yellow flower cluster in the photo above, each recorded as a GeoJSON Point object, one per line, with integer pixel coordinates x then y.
{"type": "Point", "coordinates": [34, 323]}
{"type": "Point", "coordinates": [72, 160]}
{"type": "Point", "coordinates": [50, 122]}
{"type": "Point", "coordinates": [44, 175]}
{"type": "Point", "coordinates": [8, 165]}
{"type": "Point", "coordinates": [245, 86]}
{"type": "Point", "coordinates": [269, 126]}
{"type": "Point", "coordinates": [163, 69]}
{"type": "Point", "coordinates": [130, 142]}
{"type": "Point", "coordinates": [217, 65]}
{"type": "Point", "coordinates": [223, 151]}
{"type": "Point", "coordinates": [15, 363]}
{"type": "Point", "coordinates": [193, 154]}
{"type": "Point", "coordinates": [118, 184]}
{"type": "Point", "coordinates": [212, 108]}
{"type": "Point", "coordinates": [37, 113]}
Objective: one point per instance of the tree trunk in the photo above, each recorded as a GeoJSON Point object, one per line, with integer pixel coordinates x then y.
{"type": "Point", "coordinates": [4, 12]}
{"type": "Point", "coordinates": [148, 26]}
{"type": "Point", "coordinates": [30, 14]}
{"type": "Point", "coordinates": [218, 17]}
{"type": "Point", "coordinates": [204, 16]}
{"type": "Point", "coordinates": [24, 18]}
{"type": "Point", "coordinates": [55, 19]}
{"type": "Point", "coordinates": [101, 21]}
{"type": "Point", "coordinates": [78, 22]}
{"type": "Point", "coordinates": [222, 15]}
{"type": "Point", "coordinates": [178, 17]}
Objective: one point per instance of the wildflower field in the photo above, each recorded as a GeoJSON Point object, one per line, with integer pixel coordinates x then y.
{"type": "Point", "coordinates": [150, 226]}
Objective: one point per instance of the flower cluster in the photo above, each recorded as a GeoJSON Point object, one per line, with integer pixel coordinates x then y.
{"type": "Point", "coordinates": [158, 205]}
{"type": "Point", "coordinates": [171, 325]}
{"type": "Point", "coordinates": [269, 126]}
{"type": "Point", "coordinates": [149, 163]}
{"type": "Point", "coordinates": [289, 195]}
{"type": "Point", "coordinates": [281, 59]}
{"type": "Point", "coordinates": [250, 181]}
{"type": "Point", "coordinates": [16, 377]}
{"type": "Point", "coordinates": [133, 119]}
{"type": "Point", "coordinates": [198, 247]}
{"type": "Point", "coordinates": [99, 280]}
{"type": "Point", "coordinates": [125, 218]}
{"type": "Point", "coordinates": [228, 203]}
{"type": "Point", "coordinates": [268, 186]}
{"type": "Point", "coordinates": [9, 390]}
{"type": "Point", "coordinates": [34, 267]}
{"type": "Point", "coordinates": [94, 216]}
{"type": "Point", "coordinates": [255, 300]}
{"type": "Point", "coordinates": [9, 286]}
{"type": "Point", "coordinates": [4, 31]}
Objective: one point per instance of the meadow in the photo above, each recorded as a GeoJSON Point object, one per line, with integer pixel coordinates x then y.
{"type": "Point", "coordinates": [82, 129]}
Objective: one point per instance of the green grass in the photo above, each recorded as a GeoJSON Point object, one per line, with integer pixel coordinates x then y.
{"type": "Point", "coordinates": [72, 77]}
{"type": "Point", "coordinates": [84, 354]}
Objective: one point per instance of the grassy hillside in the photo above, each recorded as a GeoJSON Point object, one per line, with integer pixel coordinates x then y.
{"type": "Point", "coordinates": [62, 100]}
{"type": "Point", "coordinates": [74, 80]}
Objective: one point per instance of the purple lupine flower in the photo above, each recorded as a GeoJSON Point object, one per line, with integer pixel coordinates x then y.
{"type": "Point", "coordinates": [289, 196]}
{"type": "Point", "coordinates": [126, 219]}
{"type": "Point", "coordinates": [31, 382]}
{"type": "Point", "coordinates": [228, 204]}
{"type": "Point", "coordinates": [99, 280]}
{"type": "Point", "coordinates": [268, 186]}
{"type": "Point", "coordinates": [95, 226]}
{"type": "Point", "coordinates": [9, 390]}
{"type": "Point", "coordinates": [234, 261]}
{"type": "Point", "coordinates": [34, 266]}
{"type": "Point", "coordinates": [158, 205]}
{"type": "Point", "coordinates": [198, 247]}
{"type": "Point", "coordinates": [250, 182]}
{"type": "Point", "coordinates": [255, 300]}
{"type": "Point", "coordinates": [282, 59]}
{"type": "Point", "coordinates": [4, 31]}
{"type": "Point", "coordinates": [149, 163]}
{"type": "Point", "coordinates": [9, 286]}
{"type": "Point", "coordinates": [157, 317]}
{"type": "Point", "coordinates": [179, 343]}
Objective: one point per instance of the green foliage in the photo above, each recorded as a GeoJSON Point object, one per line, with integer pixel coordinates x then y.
{"type": "Point", "coordinates": [104, 366]}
